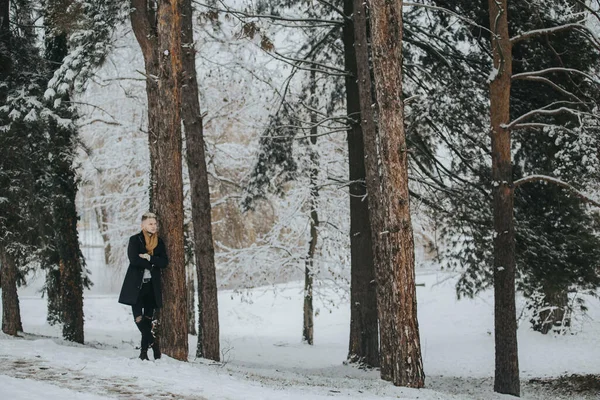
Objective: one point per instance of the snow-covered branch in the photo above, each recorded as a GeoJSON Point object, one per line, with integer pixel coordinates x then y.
{"type": "Point", "coordinates": [546, 111]}
{"type": "Point", "coordinates": [545, 31]}
{"type": "Point", "coordinates": [549, 179]}
{"type": "Point", "coordinates": [524, 75]}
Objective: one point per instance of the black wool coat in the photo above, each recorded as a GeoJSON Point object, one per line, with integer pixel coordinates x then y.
{"type": "Point", "coordinates": [135, 273]}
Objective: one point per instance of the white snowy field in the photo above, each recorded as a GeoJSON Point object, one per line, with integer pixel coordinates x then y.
{"type": "Point", "coordinates": [265, 359]}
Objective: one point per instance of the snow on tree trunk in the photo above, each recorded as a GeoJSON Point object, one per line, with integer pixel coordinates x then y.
{"type": "Point", "coordinates": [505, 323]}
{"type": "Point", "coordinates": [364, 333]}
{"type": "Point", "coordinates": [386, 165]}
{"type": "Point", "coordinates": [11, 313]}
{"type": "Point", "coordinates": [208, 320]}
{"type": "Point", "coordinates": [168, 195]}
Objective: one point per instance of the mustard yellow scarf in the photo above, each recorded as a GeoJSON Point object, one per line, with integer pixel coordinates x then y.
{"type": "Point", "coordinates": [151, 241]}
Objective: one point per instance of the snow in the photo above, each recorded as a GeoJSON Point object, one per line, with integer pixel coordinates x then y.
{"type": "Point", "coordinates": [263, 357]}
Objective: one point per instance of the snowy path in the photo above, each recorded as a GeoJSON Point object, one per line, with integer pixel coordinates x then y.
{"type": "Point", "coordinates": [77, 381]}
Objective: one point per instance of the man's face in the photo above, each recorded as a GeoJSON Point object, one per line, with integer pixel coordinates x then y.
{"type": "Point", "coordinates": [150, 225]}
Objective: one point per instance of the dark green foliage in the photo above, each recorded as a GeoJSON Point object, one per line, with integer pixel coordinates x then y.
{"type": "Point", "coordinates": [38, 181]}
{"type": "Point", "coordinates": [556, 233]}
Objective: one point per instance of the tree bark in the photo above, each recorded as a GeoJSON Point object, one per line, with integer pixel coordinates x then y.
{"type": "Point", "coordinates": [11, 312]}
{"type": "Point", "coordinates": [143, 23]}
{"type": "Point", "coordinates": [505, 322]}
{"type": "Point", "coordinates": [208, 317]}
{"type": "Point", "coordinates": [364, 332]}
{"type": "Point", "coordinates": [386, 165]}
{"type": "Point", "coordinates": [308, 320]}
{"type": "Point", "coordinates": [168, 196]}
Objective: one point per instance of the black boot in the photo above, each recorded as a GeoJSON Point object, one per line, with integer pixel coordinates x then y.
{"type": "Point", "coordinates": [144, 354]}
{"type": "Point", "coordinates": [156, 350]}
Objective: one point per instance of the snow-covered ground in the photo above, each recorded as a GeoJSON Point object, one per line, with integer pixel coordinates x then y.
{"type": "Point", "coordinates": [263, 357]}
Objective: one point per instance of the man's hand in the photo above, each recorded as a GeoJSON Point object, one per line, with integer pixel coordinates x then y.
{"type": "Point", "coordinates": [146, 256]}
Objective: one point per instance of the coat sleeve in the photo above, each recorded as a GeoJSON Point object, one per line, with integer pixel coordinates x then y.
{"type": "Point", "coordinates": [134, 255]}
{"type": "Point", "coordinates": [161, 259]}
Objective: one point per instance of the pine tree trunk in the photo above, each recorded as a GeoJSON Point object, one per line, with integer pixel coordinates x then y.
{"type": "Point", "coordinates": [168, 196]}
{"type": "Point", "coordinates": [308, 320]}
{"type": "Point", "coordinates": [505, 329]}
{"type": "Point", "coordinates": [386, 165]}
{"type": "Point", "coordinates": [208, 317]}
{"type": "Point", "coordinates": [11, 312]}
{"type": "Point", "coordinates": [71, 278]}
{"type": "Point", "coordinates": [364, 332]}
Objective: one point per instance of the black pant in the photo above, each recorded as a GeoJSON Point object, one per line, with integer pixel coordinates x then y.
{"type": "Point", "coordinates": [143, 311]}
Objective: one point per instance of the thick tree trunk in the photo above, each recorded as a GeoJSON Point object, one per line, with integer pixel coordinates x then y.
{"type": "Point", "coordinates": [208, 317]}
{"type": "Point", "coordinates": [507, 361]}
{"type": "Point", "coordinates": [386, 164]}
{"type": "Point", "coordinates": [102, 219]}
{"type": "Point", "coordinates": [308, 320]}
{"type": "Point", "coordinates": [71, 281]}
{"type": "Point", "coordinates": [364, 332]}
{"type": "Point", "coordinates": [11, 313]}
{"type": "Point", "coordinates": [168, 196]}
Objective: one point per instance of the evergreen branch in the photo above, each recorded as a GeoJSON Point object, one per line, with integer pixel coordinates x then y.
{"type": "Point", "coordinates": [334, 8]}
{"type": "Point", "coordinates": [551, 84]}
{"type": "Point", "coordinates": [244, 14]}
{"type": "Point", "coordinates": [445, 10]}
{"type": "Point", "coordinates": [558, 182]}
